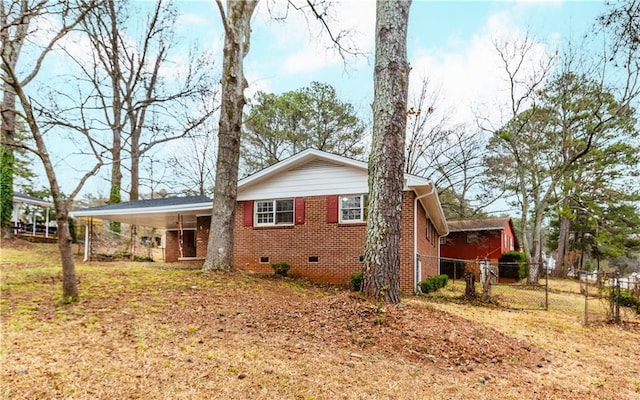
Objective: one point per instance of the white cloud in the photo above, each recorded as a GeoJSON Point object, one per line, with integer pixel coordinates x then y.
{"type": "Point", "coordinates": [470, 74]}
{"type": "Point", "coordinates": [306, 46]}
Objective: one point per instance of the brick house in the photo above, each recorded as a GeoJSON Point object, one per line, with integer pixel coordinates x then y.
{"type": "Point", "coordinates": [309, 211]}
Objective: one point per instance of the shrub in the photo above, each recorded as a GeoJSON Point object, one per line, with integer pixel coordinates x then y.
{"type": "Point", "coordinates": [513, 264]}
{"type": "Point", "coordinates": [434, 283]}
{"type": "Point", "coordinates": [356, 281]}
{"type": "Point", "coordinates": [281, 268]}
{"type": "Point", "coordinates": [627, 299]}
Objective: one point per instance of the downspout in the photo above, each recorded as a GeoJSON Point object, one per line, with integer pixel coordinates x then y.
{"type": "Point", "coordinates": [416, 261]}
{"type": "Point", "coordinates": [438, 260]}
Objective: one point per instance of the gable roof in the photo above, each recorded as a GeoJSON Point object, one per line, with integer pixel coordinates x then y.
{"type": "Point", "coordinates": [482, 224]}
{"type": "Point", "coordinates": [162, 213]}
{"type": "Point", "coordinates": [424, 189]}
{"type": "Point", "coordinates": [310, 155]}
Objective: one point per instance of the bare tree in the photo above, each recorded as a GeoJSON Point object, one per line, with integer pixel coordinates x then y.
{"type": "Point", "coordinates": [70, 15]}
{"type": "Point", "coordinates": [426, 130]}
{"type": "Point", "coordinates": [193, 163]}
{"type": "Point", "coordinates": [144, 100]}
{"type": "Point", "coordinates": [459, 175]}
{"type": "Point", "coordinates": [381, 270]}
{"type": "Point", "coordinates": [450, 155]}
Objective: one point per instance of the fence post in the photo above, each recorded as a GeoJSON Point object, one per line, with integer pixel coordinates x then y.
{"type": "Point", "coordinates": [586, 299]}
{"type": "Point", "coordinates": [617, 299]}
{"type": "Point", "coordinates": [546, 287]}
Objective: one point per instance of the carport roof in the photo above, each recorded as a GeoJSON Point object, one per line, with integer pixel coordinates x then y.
{"type": "Point", "coordinates": [157, 213]}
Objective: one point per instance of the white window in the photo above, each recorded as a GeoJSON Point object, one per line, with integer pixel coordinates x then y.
{"type": "Point", "coordinates": [353, 208]}
{"type": "Point", "coordinates": [443, 240]}
{"type": "Point", "coordinates": [273, 212]}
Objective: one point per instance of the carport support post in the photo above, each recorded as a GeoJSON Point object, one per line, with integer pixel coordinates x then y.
{"type": "Point", "coordinates": [46, 225]}
{"type": "Point", "coordinates": [86, 242]}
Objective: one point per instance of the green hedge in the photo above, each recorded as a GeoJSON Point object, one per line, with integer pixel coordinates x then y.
{"type": "Point", "coordinates": [513, 264]}
{"type": "Point", "coordinates": [628, 300]}
{"type": "Point", "coordinates": [434, 283]}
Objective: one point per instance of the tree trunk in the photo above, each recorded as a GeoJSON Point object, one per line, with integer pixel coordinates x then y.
{"type": "Point", "coordinates": [10, 48]}
{"type": "Point", "coordinates": [134, 194]}
{"type": "Point", "coordinates": [536, 251]}
{"type": "Point", "coordinates": [65, 245]}
{"type": "Point", "coordinates": [381, 271]}
{"type": "Point", "coordinates": [470, 285]}
{"type": "Point", "coordinates": [563, 245]}
{"type": "Point", "coordinates": [236, 46]}
{"type": "Point", "coordinates": [7, 134]}
{"type": "Point", "coordinates": [116, 177]}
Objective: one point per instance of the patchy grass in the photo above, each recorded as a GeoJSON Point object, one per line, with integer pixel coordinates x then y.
{"type": "Point", "coordinates": [155, 331]}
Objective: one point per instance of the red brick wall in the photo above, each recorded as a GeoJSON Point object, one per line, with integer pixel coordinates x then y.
{"type": "Point", "coordinates": [337, 246]}
{"type": "Point", "coordinates": [427, 245]}
{"type": "Point", "coordinates": [172, 247]}
{"type": "Point", "coordinates": [407, 257]}
{"type": "Point", "coordinates": [171, 251]}
{"type": "Point", "coordinates": [203, 225]}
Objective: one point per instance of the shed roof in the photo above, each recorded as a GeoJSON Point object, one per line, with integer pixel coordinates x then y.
{"type": "Point", "coordinates": [483, 224]}
{"type": "Point", "coordinates": [27, 199]}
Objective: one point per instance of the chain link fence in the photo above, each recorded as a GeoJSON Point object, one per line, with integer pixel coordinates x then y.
{"type": "Point", "coordinates": [503, 283]}
{"type": "Point", "coordinates": [609, 297]}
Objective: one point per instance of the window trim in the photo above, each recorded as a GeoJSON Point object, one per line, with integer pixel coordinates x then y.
{"type": "Point", "coordinates": [363, 208]}
{"type": "Point", "coordinates": [273, 212]}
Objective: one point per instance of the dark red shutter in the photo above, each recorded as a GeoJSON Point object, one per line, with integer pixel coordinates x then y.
{"type": "Point", "coordinates": [247, 214]}
{"type": "Point", "coordinates": [332, 209]}
{"type": "Point", "coordinates": [299, 204]}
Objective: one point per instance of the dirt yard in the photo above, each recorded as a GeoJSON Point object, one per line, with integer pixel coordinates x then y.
{"type": "Point", "coordinates": [156, 331]}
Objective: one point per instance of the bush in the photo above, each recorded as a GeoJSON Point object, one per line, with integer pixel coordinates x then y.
{"type": "Point", "coordinates": [281, 268]}
{"type": "Point", "coordinates": [434, 283]}
{"type": "Point", "coordinates": [627, 299]}
{"type": "Point", "coordinates": [356, 281]}
{"type": "Point", "coordinates": [513, 264]}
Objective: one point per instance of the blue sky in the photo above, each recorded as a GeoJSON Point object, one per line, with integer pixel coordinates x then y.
{"type": "Point", "coordinates": [449, 42]}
